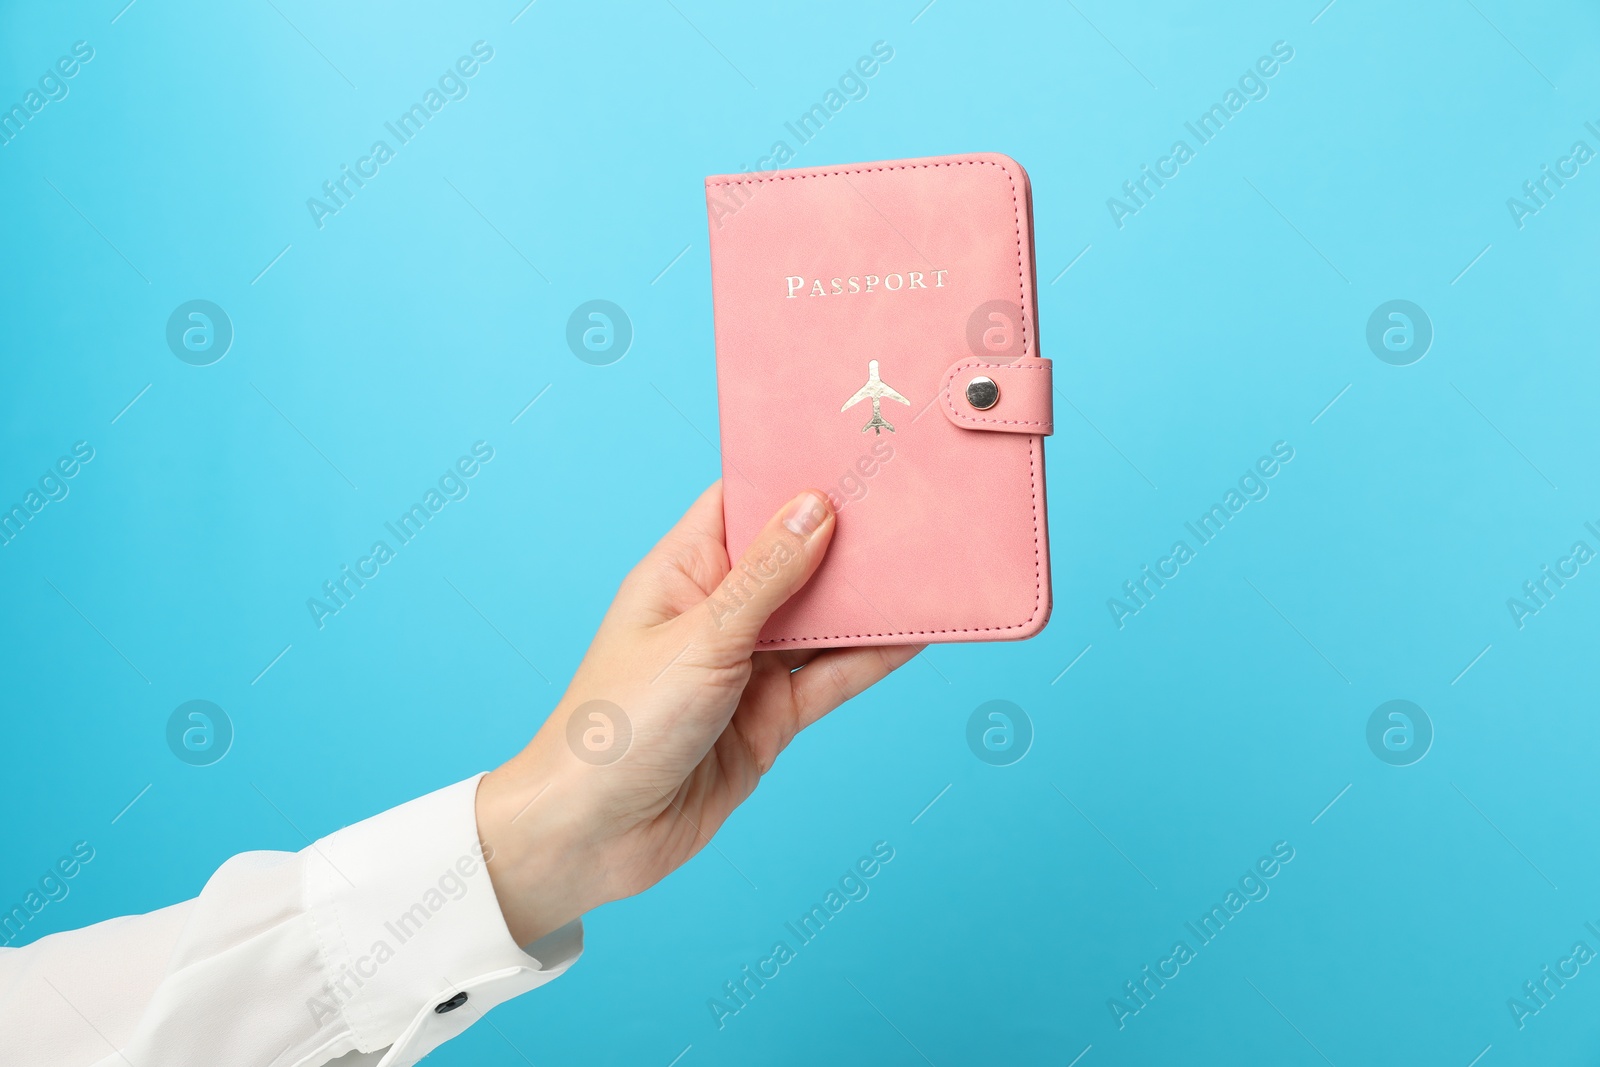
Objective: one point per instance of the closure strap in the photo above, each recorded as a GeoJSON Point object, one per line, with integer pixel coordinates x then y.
{"type": "Point", "coordinates": [1025, 404]}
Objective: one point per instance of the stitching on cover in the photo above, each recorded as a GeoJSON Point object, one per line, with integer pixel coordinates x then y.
{"type": "Point", "coordinates": [962, 416]}
{"type": "Point", "coordinates": [1033, 451]}
{"type": "Point", "coordinates": [1033, 448]}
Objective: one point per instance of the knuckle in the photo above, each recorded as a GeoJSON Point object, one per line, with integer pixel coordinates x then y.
{"type": "Point", "coordinates": [838, 681]}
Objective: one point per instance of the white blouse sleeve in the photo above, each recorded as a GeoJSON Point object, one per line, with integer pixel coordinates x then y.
{"type": "Point", "coordinates": [377, 943]}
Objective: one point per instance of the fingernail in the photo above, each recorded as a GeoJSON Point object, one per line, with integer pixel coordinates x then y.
{"type": "Point", "coordinates": [805, 515]}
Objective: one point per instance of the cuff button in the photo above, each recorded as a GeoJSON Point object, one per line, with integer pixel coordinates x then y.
{"type": "Point", "coordinates": [452, 1004]}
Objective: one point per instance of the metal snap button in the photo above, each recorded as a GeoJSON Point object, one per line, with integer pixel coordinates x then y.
{"type": "Point", "coordinates": [983, 393]}
{"type": "Point", "coordinates": [452, 1004]}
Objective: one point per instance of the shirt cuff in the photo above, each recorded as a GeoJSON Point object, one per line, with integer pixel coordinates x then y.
{"type": "Point", "coordinates": [410, 931]}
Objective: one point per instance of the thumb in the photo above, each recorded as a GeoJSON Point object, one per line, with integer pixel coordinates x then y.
{"type": "Point", "coordinates": [778, 562]}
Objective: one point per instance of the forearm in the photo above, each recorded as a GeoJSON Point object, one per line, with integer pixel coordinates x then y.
{"type": "Point", "coordinates": [288, 958]}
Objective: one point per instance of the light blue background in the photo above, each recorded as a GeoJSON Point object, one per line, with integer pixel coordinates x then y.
{"type": "Point", "coordinates": [1224, 316]}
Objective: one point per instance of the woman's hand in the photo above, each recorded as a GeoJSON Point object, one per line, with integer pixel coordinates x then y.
{"type": "Point", "coordinates": [670, 721]}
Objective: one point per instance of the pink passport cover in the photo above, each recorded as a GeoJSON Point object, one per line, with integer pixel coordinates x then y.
{"type": "Point", "coordinates": [854, 307]}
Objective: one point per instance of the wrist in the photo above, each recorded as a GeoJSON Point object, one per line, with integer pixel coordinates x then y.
{"type": "Point", "coordinates": [535, 848]}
